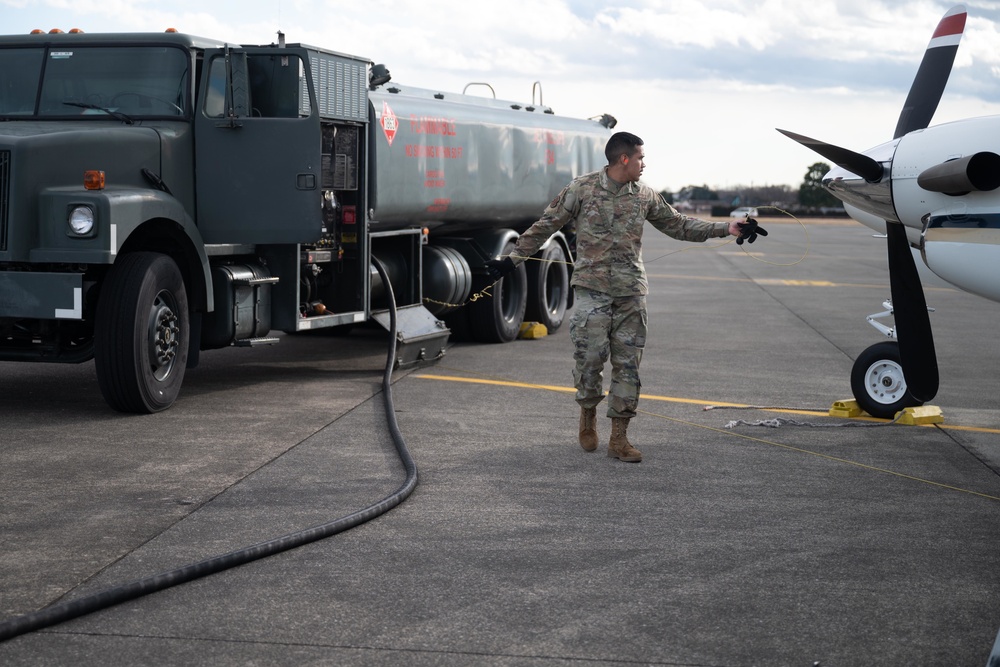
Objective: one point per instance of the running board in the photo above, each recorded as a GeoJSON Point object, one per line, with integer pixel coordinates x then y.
{"type": "Point", "coordinates": [252, 342]}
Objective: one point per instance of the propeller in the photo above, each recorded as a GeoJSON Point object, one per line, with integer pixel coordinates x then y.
{"type": "Point", "coordinates": [913, 326]}
{"type": "Point", "coordinates": [856, 163]}
{"type": "Point", "coordinates": [928, 85]}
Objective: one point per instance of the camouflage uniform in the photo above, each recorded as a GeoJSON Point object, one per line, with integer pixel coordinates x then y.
{"type": "Point", "coordinates": [609, 278]}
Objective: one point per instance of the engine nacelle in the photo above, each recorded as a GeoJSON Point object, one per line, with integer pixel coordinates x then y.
{"type": "Point", "coordinates": [973, 173]}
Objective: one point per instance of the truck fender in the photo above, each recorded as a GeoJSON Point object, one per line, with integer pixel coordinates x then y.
{"type": "Point", "coordinates": [156, 221]}
{"type": "Point", "coordinates": [558, 238]}
{"type": "Point", "coordinates": [491, 244]}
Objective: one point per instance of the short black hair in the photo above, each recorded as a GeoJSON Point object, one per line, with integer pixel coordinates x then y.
{"type": "Point", "coordinates": [621, 143]}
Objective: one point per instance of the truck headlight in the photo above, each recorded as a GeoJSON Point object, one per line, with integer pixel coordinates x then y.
{"type": "Point", "coordinates": [81, 220]}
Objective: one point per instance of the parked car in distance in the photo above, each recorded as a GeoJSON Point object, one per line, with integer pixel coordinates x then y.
{"type": "Point", "coordinates": [743, 212]}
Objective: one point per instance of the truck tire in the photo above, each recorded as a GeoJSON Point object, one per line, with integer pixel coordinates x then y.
{"type": "Point", "coordinates": [497, 318]}
{"type": "Point", "coordinates": [141, 335]}
{"type": "Point", "coordinates": [548, 287]}
{"type": "Point", "coordinates": [457, 322]}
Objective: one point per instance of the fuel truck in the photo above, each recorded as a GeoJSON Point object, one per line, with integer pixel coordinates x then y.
{"type": "Point", "coordinates": [163, 194]}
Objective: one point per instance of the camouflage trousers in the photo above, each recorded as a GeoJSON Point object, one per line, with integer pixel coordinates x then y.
{"type": "Point", "coordinates": [604, 326]}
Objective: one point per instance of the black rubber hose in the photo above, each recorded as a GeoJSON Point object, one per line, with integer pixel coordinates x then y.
{"type": "Point", "coordinates": [87, 604]}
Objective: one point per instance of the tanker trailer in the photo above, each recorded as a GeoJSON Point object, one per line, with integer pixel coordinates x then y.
{"type": "Point", "coordinates": [473, 172]}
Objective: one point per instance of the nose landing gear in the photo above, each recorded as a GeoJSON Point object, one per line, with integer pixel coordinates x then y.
{"type": "Point", "coordinates": [877, 379]}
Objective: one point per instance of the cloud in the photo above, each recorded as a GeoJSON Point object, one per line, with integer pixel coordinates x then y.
{"type": "Point", "coordinates": [703, 81]}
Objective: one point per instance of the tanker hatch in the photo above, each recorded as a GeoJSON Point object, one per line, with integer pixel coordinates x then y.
{"type": "Point", "coordinates": [608, 121]}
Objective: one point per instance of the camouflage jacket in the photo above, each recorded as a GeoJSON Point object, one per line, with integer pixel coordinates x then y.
{"type": "Point", "coordinates": [609, 226]}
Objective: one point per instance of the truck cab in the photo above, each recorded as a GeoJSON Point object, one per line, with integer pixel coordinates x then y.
{"type": "Point", "coordinates": [162, 194]}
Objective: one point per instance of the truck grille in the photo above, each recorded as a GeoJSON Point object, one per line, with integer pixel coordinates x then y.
{"type": "Point", "coordinates": [4, 196]}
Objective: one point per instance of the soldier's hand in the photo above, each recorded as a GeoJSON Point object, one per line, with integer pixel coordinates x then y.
{"type": "Point", "coordinates": [498, 268]}
{"type": "Point", "coordinates": [749, 231]}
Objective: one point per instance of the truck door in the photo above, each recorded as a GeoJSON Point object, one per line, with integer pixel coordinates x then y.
{"type": "Point", "coordinates": [258, 149]}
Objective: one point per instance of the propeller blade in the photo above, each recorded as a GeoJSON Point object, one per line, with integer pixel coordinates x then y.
{"type": "Point", "coordinates": [913, 325]}
{"type": "Point", "coordinates": [928, 85]}
{"type": "Point", "coordinates": [856, 163]}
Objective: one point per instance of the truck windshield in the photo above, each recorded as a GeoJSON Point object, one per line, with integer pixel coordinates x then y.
{"type": "Point", "coordinates": [127, 83]}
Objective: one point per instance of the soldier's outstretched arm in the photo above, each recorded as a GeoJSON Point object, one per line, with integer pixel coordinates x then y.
{"type": "Point", "coordinates": [562, 209]}
{"type": "Point", "coordinates": [682, 227]}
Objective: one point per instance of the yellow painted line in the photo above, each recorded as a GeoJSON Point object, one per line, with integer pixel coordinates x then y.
{"type": "Point", "coordinates": [676, 276]}
{"type": "Point", "coordinates": [687, 401]}
{"type": "Point", "coordinates": [768, 281]}
{"type": "Point", "coordinates": [778, 219]}
{"type": "Point", "coordinates": [670, 399]}
{"type": "Point", "coordinates": [973, 429]}
{"type": "Point", "coordinates": [756, 255]}
{"type": "Point", "coordinates": [501, 383]}
{"type": "Point", "coordinates": [785, 283]}
{"type": "Point", "coordinates": [571, 390]}
{"type": "Point", "coordinates": [805, 283]}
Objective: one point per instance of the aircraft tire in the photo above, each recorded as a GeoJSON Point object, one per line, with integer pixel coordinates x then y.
{"type": "Point", "coordinates": [877, 381]}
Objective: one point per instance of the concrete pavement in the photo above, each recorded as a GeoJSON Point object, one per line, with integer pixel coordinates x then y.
{"type": "Point", "coordinates": [724, 547]}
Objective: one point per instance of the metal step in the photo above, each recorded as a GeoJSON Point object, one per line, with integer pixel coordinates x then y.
{"type": "Point", "coordinates": [251, 342]}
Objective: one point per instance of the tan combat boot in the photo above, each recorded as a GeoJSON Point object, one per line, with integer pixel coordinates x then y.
{"type": "Point", "coordinates": [619, 447]}
{"type": "Point", "coordinates": [588, 429]}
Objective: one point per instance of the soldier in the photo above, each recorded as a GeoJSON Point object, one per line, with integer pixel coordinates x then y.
{"type": "Point", "coordinates": [609, 208]}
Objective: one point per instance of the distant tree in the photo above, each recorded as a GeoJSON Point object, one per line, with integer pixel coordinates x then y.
{"type": "Point", "coordinates": [759, 195]}
{"type": "Point", "coordinates": [668, 196]}
{"type": "Point", "coordinates": [697, 193]}
{"type": "Point", "coordinates": [812, 194]}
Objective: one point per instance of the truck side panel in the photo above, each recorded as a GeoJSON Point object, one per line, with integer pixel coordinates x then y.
{"type": "Point", "coordinates": [457, 162]}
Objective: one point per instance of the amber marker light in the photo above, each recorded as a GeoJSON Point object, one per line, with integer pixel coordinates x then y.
{"type": "Point", "coordinates": [93, 180]}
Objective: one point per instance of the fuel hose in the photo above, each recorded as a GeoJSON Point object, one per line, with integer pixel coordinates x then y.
{"type": "Point", "coordinates": [64, 611]}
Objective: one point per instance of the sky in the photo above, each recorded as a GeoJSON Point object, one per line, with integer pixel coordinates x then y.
{"type": "Point", "coordinates": [704, 84]}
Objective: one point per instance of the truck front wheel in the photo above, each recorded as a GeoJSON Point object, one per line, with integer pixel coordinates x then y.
{"type": "Point", "coordinates": [141, 335]}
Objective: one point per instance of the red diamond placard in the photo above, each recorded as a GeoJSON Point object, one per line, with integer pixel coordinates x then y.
{"type": "Point", "coordinates": [389, 122]}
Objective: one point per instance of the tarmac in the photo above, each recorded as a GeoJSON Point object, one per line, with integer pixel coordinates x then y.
{"type": "Point", "coordinates": [845, 541]}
